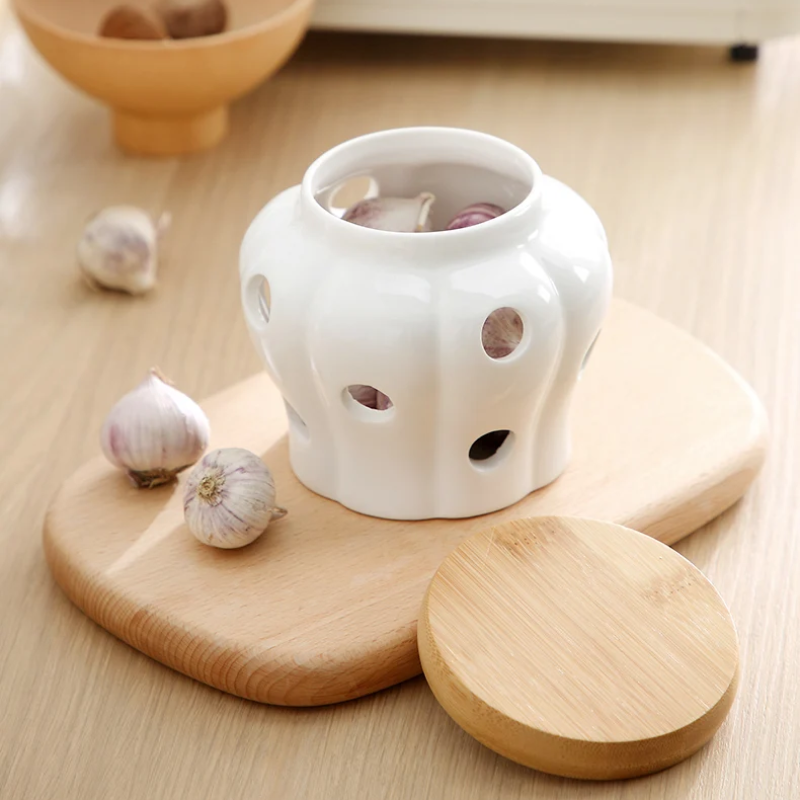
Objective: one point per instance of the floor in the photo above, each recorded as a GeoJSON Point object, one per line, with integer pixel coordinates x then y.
{"type": "Point", "coordinates": [692, 162]}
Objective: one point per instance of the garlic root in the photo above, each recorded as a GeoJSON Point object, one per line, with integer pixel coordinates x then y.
{"type": "Point", "coordinates": [229, 500]}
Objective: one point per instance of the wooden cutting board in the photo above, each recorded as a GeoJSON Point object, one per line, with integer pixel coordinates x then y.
{"type": "Point", "coordinates": [323, 608]}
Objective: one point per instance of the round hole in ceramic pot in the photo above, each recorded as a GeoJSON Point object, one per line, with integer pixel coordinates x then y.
{"type": "Point", "coordinates": [296, 422]}
{"type": "Point", "coordinates": [405, 309]}
{"type": "Point", "coordinates": [487, 450]}
{"type": "Point", "coordinates": [588, 353]}
{"type": "Point", "coordinates": [349, 192]}
{"type": "Point", "coordinates": [359, 397]}
{"type": "Point", "coordinates": [502, 332]}
{"type": "Point", "coordinates": [259, 296]}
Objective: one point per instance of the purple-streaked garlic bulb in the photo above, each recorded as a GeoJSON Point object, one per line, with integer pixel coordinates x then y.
{"type": "Point", "coordinates": [474, 215]}
{"type": "Point", "coordinates": [154, 432]}
{"type": "Point", "coordinates": [502, 332]}
{"type": "Point", "coordinates": [398, 214]}
{"type": "Point", "coordinates": [230, 498]}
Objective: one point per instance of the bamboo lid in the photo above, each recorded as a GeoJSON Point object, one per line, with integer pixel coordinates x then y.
{"type": "Point", "coordinates": [579, 648]}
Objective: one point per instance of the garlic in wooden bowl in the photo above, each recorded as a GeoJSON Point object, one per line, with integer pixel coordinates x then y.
{"type": "Point", "coordinates": [119, 249]}
{"type": "Point", "coordinates": [229, 499]}
{"type": "Point", "coordinates": [154, 432]}
{"type": "Point", "coordinates": [130, 22]}
{"type": "Point", "coordinates": [186, 19]}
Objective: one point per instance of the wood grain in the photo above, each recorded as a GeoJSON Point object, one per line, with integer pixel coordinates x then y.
{"type": "Point", "coordinates": [694, 167]}
{"type": "Point", "coordinates": [323, 608]}
{"type": "Point", "coordinates": [578, 647]}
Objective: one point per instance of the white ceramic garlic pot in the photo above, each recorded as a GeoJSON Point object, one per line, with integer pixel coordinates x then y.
{"type": "Point", "coordinates": [398, 406]}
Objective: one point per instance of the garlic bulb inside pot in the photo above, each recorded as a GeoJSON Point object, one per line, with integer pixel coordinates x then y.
{"type": "Point", "coordinates": [398, 214]}
{"type": "Point", "coordinates": [502, 332]}
{"type": "Point", "coordinates": [154, 432]}
{"type": "Point", "coordinates": [229, 499]}
{"type": "Point", "coordinates": [119, 249]}
{"type": "Point", "coordinates": [475, 215]}
{"type": "Point", "coordinates": [370, 397]}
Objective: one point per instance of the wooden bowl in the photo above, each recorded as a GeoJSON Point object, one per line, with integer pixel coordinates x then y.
{"type": "Point", "coordinates": [167, 97]}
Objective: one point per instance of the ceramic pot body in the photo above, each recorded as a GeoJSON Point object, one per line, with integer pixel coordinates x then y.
{"type": "Point", "coordinates": [459, 427]}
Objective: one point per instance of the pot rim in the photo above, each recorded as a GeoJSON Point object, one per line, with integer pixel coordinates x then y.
{"type": "Point", "coordinates": [415, 145]}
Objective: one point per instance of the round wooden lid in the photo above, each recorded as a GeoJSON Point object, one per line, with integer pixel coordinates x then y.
{"type": "Point", "coordinates": [580, 648]}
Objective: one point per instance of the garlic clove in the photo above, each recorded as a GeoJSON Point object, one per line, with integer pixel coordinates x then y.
{"type": "Point", "coordinates": [370, 397]}
{"type": "Point", "coordinates": [398, 214]}
{"type": "Point", "coordinates": [186, 19]}
{"type": "Point", "coordinates": [154, 432]}
{"type": "Point", "coordinates": [366, 395]}
{"type": "Point", "coordinates": [130, 22]}
{"type": "Point", "coordinates": [229, 500]}
{"type": "Point", "coordinates": [475, 214]}
{"type": "Point", "coordinates": [119, 249]}
{"type": "Point", "coordinates": [382, 401]}
{"type": "Point", "coordinates": [502, 332]}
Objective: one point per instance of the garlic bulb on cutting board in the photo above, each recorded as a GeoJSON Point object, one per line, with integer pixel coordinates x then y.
{"type": "Point", "coordinates": [154, 432]}
{"type": "Point", "coordinates": [230, 498]}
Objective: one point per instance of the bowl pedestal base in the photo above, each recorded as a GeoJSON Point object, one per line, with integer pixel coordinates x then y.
{"type": "Point", "coordinates": [169, 136]}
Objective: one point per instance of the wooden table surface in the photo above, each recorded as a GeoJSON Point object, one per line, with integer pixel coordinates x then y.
{"type": "Point", "coordinates": [694, 165]}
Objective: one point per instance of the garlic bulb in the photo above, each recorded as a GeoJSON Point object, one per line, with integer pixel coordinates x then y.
{"type": "Point", "coordinates": [398, 214]}
{"type": "Point", "coordinates": [154, 432]}
{"type": "Point", "coordinates": [502, 332]}
{"type": "Point", "coordinates": [370, 397]}
{"type": "Point", "coordinates": [186, 19]}
{"type": "Point", "coordinates": [130, 22]}
{"type": "Point", "coordinates": [474, 215]}
{"type": "Point", "coordinates": [230, 498]}
{"type": "Point", "coordinates": [119, 249]}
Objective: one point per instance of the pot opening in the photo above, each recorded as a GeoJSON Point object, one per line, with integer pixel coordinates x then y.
{"type": "Point", "coordinates": [460, 168]}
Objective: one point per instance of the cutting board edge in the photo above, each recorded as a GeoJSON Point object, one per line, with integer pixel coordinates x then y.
{"type": "Point", "coordinates": [282, 676]}
{"type": "Point", "coordinates": [94, 601]}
